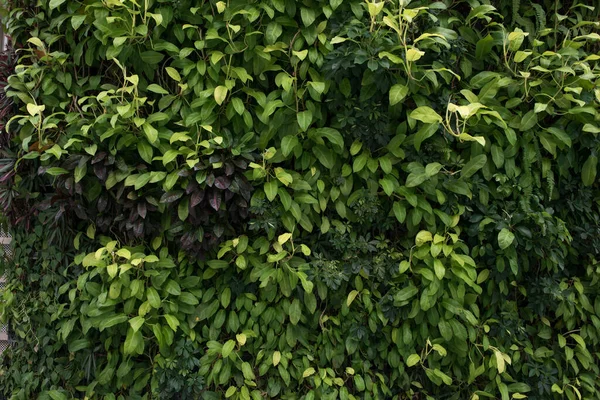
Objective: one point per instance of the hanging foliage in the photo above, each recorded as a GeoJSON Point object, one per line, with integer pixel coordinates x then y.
{"type": "Point", "coordinates": [280, 199]}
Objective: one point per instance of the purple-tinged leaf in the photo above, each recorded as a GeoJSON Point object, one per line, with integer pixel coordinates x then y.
{"type": "Point", "coordinates": [215, 200]}
{"type": "Point", "coordinates": [222, 182]}
{"type": "Point", "coordinates": [196, 198]}
{"type": "Point", "coordinates": [172, 196]}
{"type": "Point", "coordinates": [142, 210]}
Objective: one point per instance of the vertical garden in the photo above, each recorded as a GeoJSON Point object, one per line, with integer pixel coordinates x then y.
{"type": "Point", "coordinates": [311, 199]}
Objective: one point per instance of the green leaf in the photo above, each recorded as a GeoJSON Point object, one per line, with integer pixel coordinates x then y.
{"type": "Point", "coordinates": [183, 209]}
{"type": "Point", "coordinates": [484, 47]}
{"type": "Point", "coordinates": [500, 362]}
{"type": "Point", "coordinates": [426, 114]}
{"type": "Point", "coordinates": [360, 162]}
{"type": "Point", "coordinates": [295, 312]}
{"type": "Point", "coordinates": [414, 54]}
{"type": "Point", "coordinates": [388, 185]}
{"type": "Point", "coordinates": [145, 151]}
{"type": "Point", "coordinates": [136, 323]}
{"type": "Point", "coordinates": [304, 120]}
{"type": "Point", "coordinates": [77, 21]}
{"type": "Point", "coordinates": [218, 264]}
{"type": "Point", "coordinates": [351, 296]}
{"type": "Point", "coordinates": [154, 88]}
{"type": "Point", "coordinates": [588, 172]}
{"type": "Point", "coordinates": [413, 360]}
{"type": "Point", "coordinates": [399, 211]}
{"type": "Point", "coordinates": [173, 288]}
{"type": "Point", "coordinates": [276, 358]}
{"type": "Point", "coordinates": [308, 15]}
{"type": "Point", "coordinates": [151, 57]}
{"type": "Point", "coordinates": [132, 341]}
{"type": "Point", "coordinates": [397, 93]}
{"type": "Point", "coordinates": [55, 3]}
{"type": "Point", "coordinates": [505, 238]}
{"type": "Point", "coordinates": [112, 321]}
{"type": "Point", "coordinates": [172, 321]}
{"type": "Point", "coordinates": [308, 372]}
{"type": "Point", "coordinates": [271, 189]}
{"type": "Point", "coordinates": [288, 144]}
{"type": "Point", "coordinates": [423, 237]}
{"type": "Point", "coordinates": [414, 179]}
{"type": "Point", "coordinates": [528, 121]}
{"type": "Point", "coordinates": [425, 132]}
{"type": "Point", "coordinates": [406, 293]}
{"type": "Point", "coordinates": [445, 378]}
{"type": "Point", "coordinates": [324, 155]}
{"type": "Point", "coordinates": [79, 344]}
{"type": "Point", "coordinates": [55, 171]}
{"type": "Point", "coordinates": [173, 73]}
{"type": "Point", "coordinates": [220, 94]}
{"type": "Point", "coordinates": [247, 371]}
{"type": "Point", "coordinates": [474, 165]}
{"type": "Point", "coordinates": [151, 132]}
{"type": "Point", "coordinates": [153, 297]}
{"type": "Point", "coordinates": [56, 395]}
{"type": "Point", "coordinates": [561, 135]}
{"type": "Point", "coordinates": [228, 348]}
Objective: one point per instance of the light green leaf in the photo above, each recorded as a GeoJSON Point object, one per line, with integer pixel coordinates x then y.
{"type": "Point", "coordinates": [220, 94]}
{"type": "Point", "coordinates": [351, 296]}
{"type": "Point", "coordinates": [271, 189]}
{"type": "Point", "coordinates": [426, 114]}
{"type": "Point", "coordinates": [423, 237]}
{"type": "Point", "coordinates": [153, 297]}
{"type": "Point", "coordinates": [55, 3]}
{"type": "Point", "coordinates": [304, 119]}
{"type": "Point", "coordinates": [307, 15]}
{"type": "Point", "coordinates": [77, 21]}
{"type": "Point", "coordinates": [414, 179]}
{"type": "Point", "coordinates": [276, 358]}
{"type": "Point", "coordinates": [173, 73]}
{"type": "Point", "coordinates": [397, 93]}
{"type": "Point", "coordinates": [505, 238]}
{"type": "Point", "coordinates": [154, 88]}
{"type": "Point", "coordinates": [136, 323]}
{"type": "Point", "coordinates": [228, 348]}
{"type": "Point", "coordinates": [295, 312]}
{"type": "Point", "coordinates": [172, 321]}
{"type": "Point", "coordinates": [412, 360]}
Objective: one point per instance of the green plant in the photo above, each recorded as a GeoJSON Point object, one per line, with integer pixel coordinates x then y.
{"type": "Point", "coordinates": [303, 200]}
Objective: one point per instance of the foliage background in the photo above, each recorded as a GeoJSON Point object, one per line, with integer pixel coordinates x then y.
{"type": "Point", "coordinates": [302, 199]}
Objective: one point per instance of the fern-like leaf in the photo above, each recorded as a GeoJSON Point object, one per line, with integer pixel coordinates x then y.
{"type": "Point", "coordinates": [540, 16]}
{"type": "Point", "coordinates": [516, 5]}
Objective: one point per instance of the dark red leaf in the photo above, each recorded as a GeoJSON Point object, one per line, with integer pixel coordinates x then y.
{"type": "Point", "coordinates": [99, 157]}
{"type": "Point", "coordinates": [100, 171]}
{"type": "Point", "coordinates": [102, 203]}
{"type": "Point", "coordinates": [210, 180]}
{"type": "Point", "coordinates": [138, 228]}
{"type": "Point", "coordinates": [141, 209]}
{"type": "Point", "coordinates": [229, 169]}
{"type": "Point", "coordinates": [222, 182]}
{"type": "Point", "coordinates": [196, 198]}
{"type": "Point", "coordinates": [215, 200]}
{"type": "Point", "coordinates": [172, 196]}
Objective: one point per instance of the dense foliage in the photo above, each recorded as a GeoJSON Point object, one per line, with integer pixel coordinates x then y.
{"type": "Point", "coordinates": [313, 199]}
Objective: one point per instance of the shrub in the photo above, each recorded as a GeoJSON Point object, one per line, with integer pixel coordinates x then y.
{"type": "Point", "coordinates": [303, 200]}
